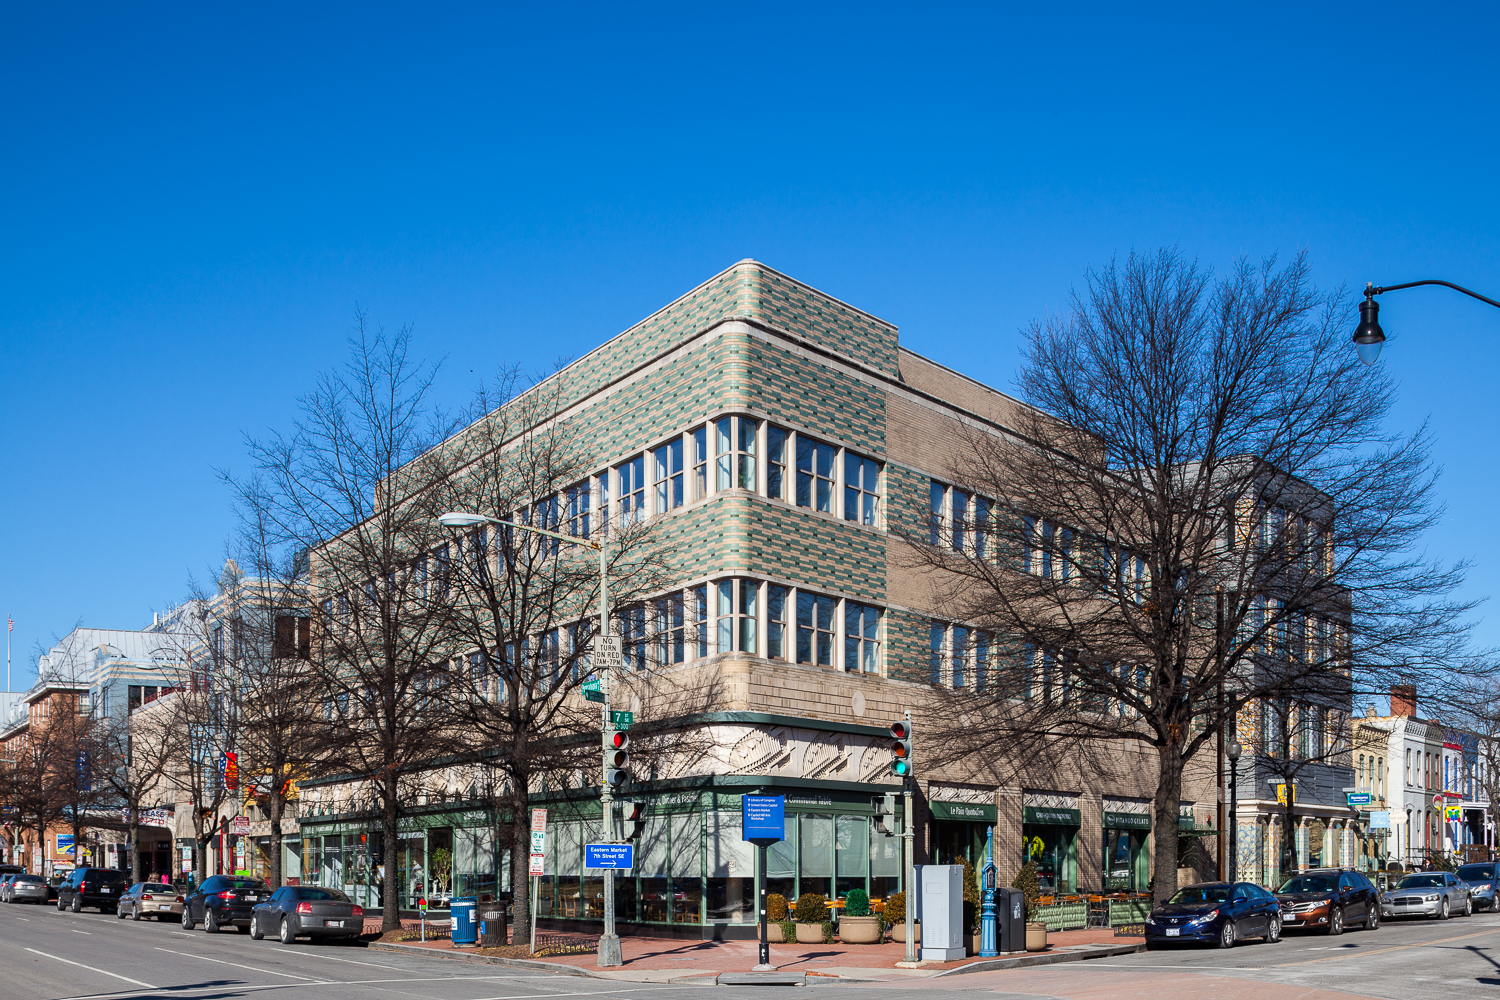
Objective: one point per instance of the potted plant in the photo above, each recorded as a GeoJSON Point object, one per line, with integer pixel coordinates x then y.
{"type": "Point", "coordinates": [776, 921]}
{"type": "Point", "coordinates": [1026, 881]}
{"type": "Point", "coordinates": [971, 908]}
{"type": "Point", "coordinates": [895, 918]}
{"type": "Point", "coordinates": [858, 925]}
{"type": "Point", "coordinates": [810, 913]}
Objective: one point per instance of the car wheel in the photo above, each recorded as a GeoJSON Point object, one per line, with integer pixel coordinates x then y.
{"type": "Point", "coordinates": [77, 906]}
{"type": "Point", "coordinates": [1226, 935]}
{"type": "Point", "coordinates": [1336, 921]}
{"type": "Point", "coordinates": [120, 913]}
{"type": "Point", "coordinates": [1468, 906]}
{"type": "Point", "coordinates": [287, 937]}
{"type": "Point", "coordinates": [1443, 909]}
{"type": "Point", "coordinates": [187, 921]}
{"type": "Point", "coordinates": [135, 912]}
{"type": "Point", "coordinates": [255, 934]}
{"type": "Point", "coordinates": [1273, 930]}
{"type": "Point", "coordinates": [210, 922]}
{"type": "Point", "coordinates": [1372, 922]}
{"type": "Point", "coordinates": [60, 906]}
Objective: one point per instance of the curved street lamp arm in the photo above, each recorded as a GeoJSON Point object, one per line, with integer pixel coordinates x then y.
{"type": "Point", "coordinates": [1373, 289]}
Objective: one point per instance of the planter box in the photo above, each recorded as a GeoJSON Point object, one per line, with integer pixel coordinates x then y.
{"type": "Point", "coordinates": [1036, 937]}
{"type": "Point", "coordinates": [1063, 916]}
{"type": "Point", "coordinates": [859, 930]}
{"type": "Point", "coordinates": [773, 933]}
{"type": "Point", "coordinates": [898, 932]}
{"type": "Point", "coordinates": [809, 933]}
{"type": "Point", "coordinates": [1124, 912]}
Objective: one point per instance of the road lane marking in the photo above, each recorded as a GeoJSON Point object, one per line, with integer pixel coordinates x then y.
{"type": "Point", "coordinates": [264, 972]}
{"type": "Point", "coordinates": [1361, 953]}
{"type": "Point", "coordinates": [102, 972]}
{"type": "Point", "coordinates": [89, 933]}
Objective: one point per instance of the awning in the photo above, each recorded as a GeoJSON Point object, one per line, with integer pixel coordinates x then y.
{"type": "Point", "coordinates": [967, 812]}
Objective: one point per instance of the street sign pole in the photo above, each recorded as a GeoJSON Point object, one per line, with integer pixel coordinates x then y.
{"type": "Point", "coordinates": [609, 941]}
{"type": "Point", "coordinates": [763, 820]}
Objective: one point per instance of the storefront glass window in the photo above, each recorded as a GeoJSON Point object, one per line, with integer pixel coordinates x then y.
{"type": "Point", "coordinates": [731, 870]}
{"type": "Point", "coordinates": [1124, 860]}
{"type": "Point", "coordinates": [1051, 847]}
{"type": "Point", "coordinates": [885, 864]}
{"type": "Point", "coordinates": [851, 853]}
{"type": "Point", "coordinates": [781, 863]}
{"type": "Point", "coordinates": [815, 848]}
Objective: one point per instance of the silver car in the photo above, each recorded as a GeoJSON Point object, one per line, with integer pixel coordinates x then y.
{"type": "Point", "coordinates": [26, 889]}
{"type": "Point", "coordinates": [1427, 894]}
{"type": "Point", "coordinates": [1481, 877]}
{"type": "Point", "coordinates": [5, 881]}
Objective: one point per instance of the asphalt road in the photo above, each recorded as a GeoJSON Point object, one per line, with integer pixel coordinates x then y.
{"type": "Point", "coordinates": [47, 955]}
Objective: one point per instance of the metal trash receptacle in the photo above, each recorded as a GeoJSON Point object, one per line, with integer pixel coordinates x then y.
{"type": "Point", "coordinates": [493, 925]}
{"type": "Point", "coordinates": [1010, 919]}
{"type": "Point", "coordinates": [462, 911]}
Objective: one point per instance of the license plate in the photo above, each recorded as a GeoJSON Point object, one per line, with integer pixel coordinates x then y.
{"type": "Point", "coordinates": [1174, 932]}
{"type": "Point", "coordinates": [163, 906]}
{"type": "Point", "coordinates": [333, 923]}
{"type": "Point", "coordinates": [105, 890]}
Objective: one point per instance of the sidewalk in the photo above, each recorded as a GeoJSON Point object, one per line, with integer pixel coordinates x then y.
{"type": "Point", "coordinates": [660, 960]}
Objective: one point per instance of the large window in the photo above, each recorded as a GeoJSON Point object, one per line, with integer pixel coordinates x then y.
{"type": "Point", "coordinates": [958, 519]}
{"type": "Point", "coordinates": [815, 466]}
{"type": "Point", "coordinates": [961, 657]}
{"type": "Point", "coordinates": [666, 476]}
{"type": "Point", "coordinates": [737, 612]}
{"type": "Point", "coordinates": [632, 478]}
{"type": "Point", "coordinates": [861, 479]}
{"type": "Point", "coordinates": [815, 628]}
{"type": "Point", "coordinates": [734, 451]}
{"type": "Point", "coordinates": [861, 637]}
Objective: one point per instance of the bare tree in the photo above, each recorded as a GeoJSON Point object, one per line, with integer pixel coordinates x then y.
{"type": "Point", "coordinates": [337, 488]}
{"type": "Point", "coordinates": [521, 608]}
{"type": "Point", "coordinates": [1202, 511]}
{"type": "Point", "coordinates": [132, 755]}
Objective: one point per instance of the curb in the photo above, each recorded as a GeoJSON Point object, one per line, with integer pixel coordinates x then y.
{"type": "Point", "coordinates": [1052, 958]}
{"type": "Point", "coordinates": [477, 959]}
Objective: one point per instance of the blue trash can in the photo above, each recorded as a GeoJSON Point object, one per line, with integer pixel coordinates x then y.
{"type": "Point", "coordinates": [465, 930]}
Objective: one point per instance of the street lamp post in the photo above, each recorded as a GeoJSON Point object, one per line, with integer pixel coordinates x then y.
{"type": "Point", "coordinates": [1232, 751]}
{"type": "Point", "coordinates": [1369, 337]}
{"type": "Point", "coordinates": [609, 941]}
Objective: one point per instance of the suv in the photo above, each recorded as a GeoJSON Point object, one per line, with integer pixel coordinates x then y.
{"type": "Point", "coordinates": [1481, 877]}
{"type": "Point", "coordinates": [1329, 899]}
{"type": "Point", "coordinates": [223, 900]}
{"type": "Point", "coordinates": [101, 887]}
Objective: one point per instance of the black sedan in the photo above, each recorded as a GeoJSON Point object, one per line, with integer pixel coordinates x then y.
{"type": "Point", "coordinates": [222, 901]}
{"type": "Point", "coordinates": [1215, 912]}
{"type": "Point", "coordinates": [312, 911]}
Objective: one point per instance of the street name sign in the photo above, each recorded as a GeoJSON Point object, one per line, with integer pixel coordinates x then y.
{"type": "Point", "coordinates": [1357, 798]}
{"type": "Point", "coordinates": [591, 690]}
{"type": "Point", "coordinates": [617, 856]}
{"type": "Point", "coordinates": [764, 817]}
{"type": "Point", "coordinates": [621, 720]}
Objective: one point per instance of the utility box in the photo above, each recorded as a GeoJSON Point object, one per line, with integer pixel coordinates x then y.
{"type": "Point", "coordinates": [1010, 919]}
{"type": "Point", "coordinates": [942, 912]}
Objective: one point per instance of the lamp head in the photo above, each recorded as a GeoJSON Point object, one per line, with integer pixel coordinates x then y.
{"type": "Point", "coordinates": [461, 519]}
{"type": "Point", "coordinates": [1368, 336]}
{"type": "Point", "coordinates": [1233, 750]}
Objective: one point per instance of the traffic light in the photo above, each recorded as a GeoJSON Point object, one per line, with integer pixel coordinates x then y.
{"type": "Point", "coordinates": [635, 814]}
{"type": "Point", "coordinates": [884, 807]}
{"type": "Point", "coordinates": [901, 749]}
{"type": "Point", "coordinates": [616, 757]}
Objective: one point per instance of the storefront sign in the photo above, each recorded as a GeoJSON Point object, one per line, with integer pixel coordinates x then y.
{"type": "Point", "coordinates": [614, 856]}
{"type": "Point", "coordinates": [1049, 816]}
{"type": "Point", "coordinates": [764, 818]}
{"type": "Point", "coordinates": [1380, 819]}
{"type": "Point", "coordinates": [64, 843]}
{"type": "Point", "coordinates": [1126, 821]}
{"type": "Point", "coordinates": [967, 812]}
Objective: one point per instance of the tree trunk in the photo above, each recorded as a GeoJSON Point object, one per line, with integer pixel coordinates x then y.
{"type": "Point", "coordinates": [274, 869]}
{"type": "Point", "coordinates": [520, 859]}
{"type": "Point", "coordinates": [134, 835]}
{"type": "Point", "coordinates": [390, 897]}
{"type": "Point", "coordinates": [1168, 797]}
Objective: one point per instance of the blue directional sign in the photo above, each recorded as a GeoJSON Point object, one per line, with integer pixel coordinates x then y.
{"type": "Point", "coordinates": [1358, 798]}
{"type": "Point", "coordinates": [618, 856]}
{"type": "Point", "coordinates": [764, 817]}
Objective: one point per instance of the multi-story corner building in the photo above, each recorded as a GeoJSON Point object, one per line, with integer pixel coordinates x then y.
{"type": "Point", "coordinates": [784, 440]}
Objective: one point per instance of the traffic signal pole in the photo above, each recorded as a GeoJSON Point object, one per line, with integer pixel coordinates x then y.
{"type": "Point", "coordinates": [609, 941]}
{"type": "Point", "coordinates": [908, 837]}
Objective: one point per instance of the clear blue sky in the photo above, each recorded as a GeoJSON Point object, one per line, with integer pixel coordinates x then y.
{"type": "Point", "coordinates": [195, 201]}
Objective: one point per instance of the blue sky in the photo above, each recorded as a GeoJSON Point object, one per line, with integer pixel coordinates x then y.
{"type": "Point", "coordinates": [196, 200]}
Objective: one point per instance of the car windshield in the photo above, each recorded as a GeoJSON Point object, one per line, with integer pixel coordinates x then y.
{"type": "Point", "coordinates": [1476, 873]}
{"type": "Point", "coordinates": [1421, 882]}
{"type": "Point", "coordinates": [36, 879]}
{"type": "Point", "coordinates": [1198, 895]}
{"type": "Point", "coordinates": [329, 894]}
{"type": "Point", "coordinates": [1307, 883]}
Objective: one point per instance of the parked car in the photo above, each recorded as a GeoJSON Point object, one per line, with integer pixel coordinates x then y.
{"type": "Point", "coordinates": [1215, 912]}
{"type": "Point", "coordinates": [1481, 879]}
{"type": "Point", "coordinates": [26, 889]}
{"type": "Point", "coordinates": [150, 899]}
{"type": "Point", "coordinates": [295, 911]}
{"type": "Point", "coordinates": [5, 881]}
{"type": "Point", "coordinates": [1330, 900]}
{"type": "Point", "coordinates": [222, 901]}
{"type": "Point", "coordinates": [1427, 894]}
{"type": "Point", "coordinates": [101, 887]}
{"type": "Point", "coordinates": [54, 883]}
